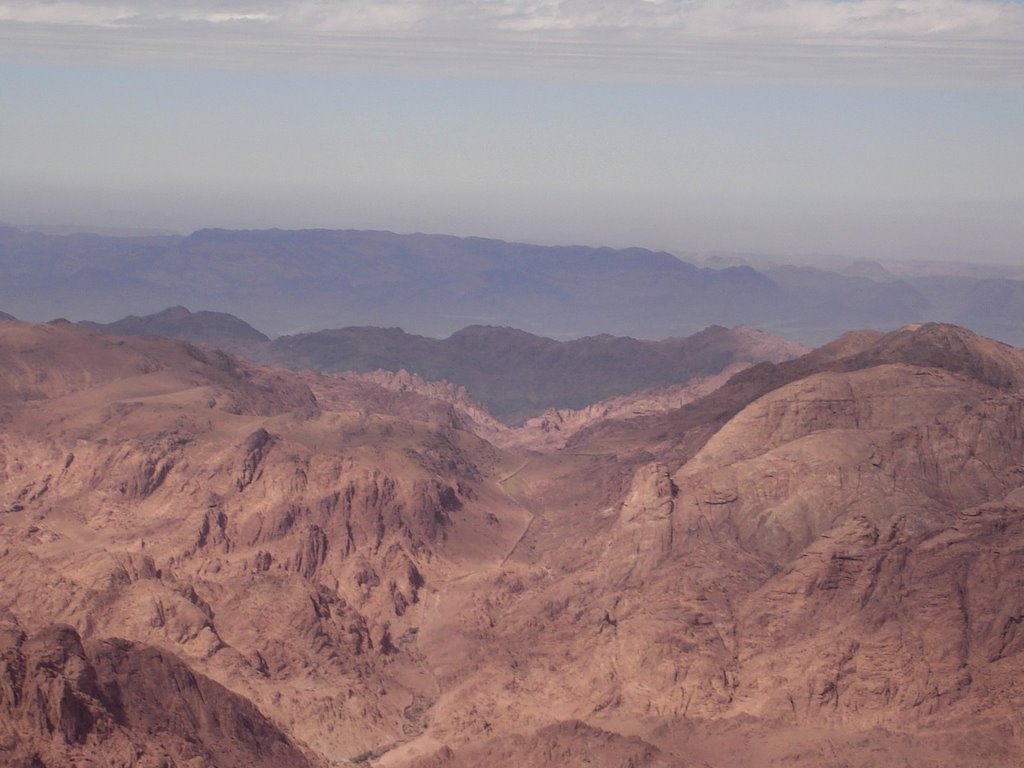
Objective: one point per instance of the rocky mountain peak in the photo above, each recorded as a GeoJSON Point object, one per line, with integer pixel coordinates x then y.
{"type": "Point", "coordinates": [952, 348]}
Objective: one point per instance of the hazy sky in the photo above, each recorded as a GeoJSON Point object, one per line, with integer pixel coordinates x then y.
{"type": "Point", "coordinates": [866, 127]}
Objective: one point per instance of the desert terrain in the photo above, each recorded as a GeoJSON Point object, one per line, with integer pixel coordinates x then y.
{"type": "Point", "coordinates": [814, 561]}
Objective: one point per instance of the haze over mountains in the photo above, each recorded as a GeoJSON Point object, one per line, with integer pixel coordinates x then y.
{"type": "Point", "coordinates": [215, 328]}
{"type": "Point", "coordinates": [818, 562]}
{"type": "Point", "coordinates": [516, 374]}
{"type": "Point", "coordinates": [306, 280]}
{"type": "Point", "coordinates": [367, 546]}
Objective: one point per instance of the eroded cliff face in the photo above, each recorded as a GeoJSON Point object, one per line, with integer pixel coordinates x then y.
{"type": "Point", "coordinates": [926, 624]}
{"type": "Point", "coordinates": [644, 538]}
{"type": "Point", "coordinates": [792, 464]}
{"type": "Point", "coordinates": [117, 703]}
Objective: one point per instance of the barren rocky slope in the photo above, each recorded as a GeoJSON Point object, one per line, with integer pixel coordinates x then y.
{"type": "Point", "coordinates": [177, 498]}
{"type": "Point", "coordinates": [821, 562]}
{"type": "Point", "coordinates": [117, 703]}
{"type": "Point", "coordinates": [833, 576]}
{"type": "Point", "coordinates": [214, 328]}
{"type": "Point", "coordinates": [408, 395]}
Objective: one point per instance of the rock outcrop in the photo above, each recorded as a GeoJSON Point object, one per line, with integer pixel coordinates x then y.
{"type": "Point", "coordinates": [118, 703]}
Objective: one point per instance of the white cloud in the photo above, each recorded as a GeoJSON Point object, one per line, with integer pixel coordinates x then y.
{"type": "Point", "coordinates": [963, 43]}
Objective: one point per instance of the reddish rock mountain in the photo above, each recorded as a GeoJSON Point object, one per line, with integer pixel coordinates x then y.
{"type": "Point", "coordinates": [817, 563]}
{"type": "Point", "coordinates": [117, 703]}
{"type": "Point", "coordinates": [181, 499]}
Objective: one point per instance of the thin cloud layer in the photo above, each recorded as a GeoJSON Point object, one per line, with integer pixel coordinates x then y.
{"type": "Point", "coordinates": [944, 43]}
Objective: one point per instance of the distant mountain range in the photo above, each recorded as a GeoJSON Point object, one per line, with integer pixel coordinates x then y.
{"type": "Point", "coordinates": [516, 374]}
{"type": "Point", "coordinates": [289, 282]}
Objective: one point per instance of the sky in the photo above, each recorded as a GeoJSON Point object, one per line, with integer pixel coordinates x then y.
{"type": "Point", "coordinates": [788, 128]}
